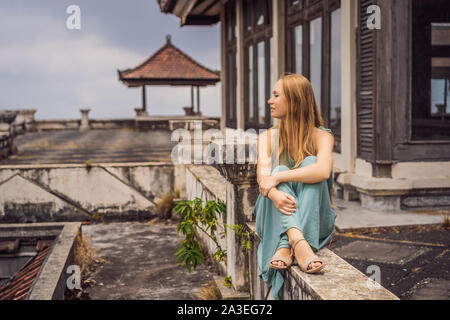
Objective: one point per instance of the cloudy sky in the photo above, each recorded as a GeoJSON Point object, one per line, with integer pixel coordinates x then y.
{"type": "Point", "coordinates": [46, 66]}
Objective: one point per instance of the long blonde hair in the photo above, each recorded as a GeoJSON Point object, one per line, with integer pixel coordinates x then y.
{"type": "Point", "coordinates": [303, 116]}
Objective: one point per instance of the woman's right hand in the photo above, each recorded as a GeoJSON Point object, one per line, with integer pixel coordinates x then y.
{"type": "Point", "coordinates": [284, 202]}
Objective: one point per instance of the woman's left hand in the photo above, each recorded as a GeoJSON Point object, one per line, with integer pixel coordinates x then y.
{"type": "Point", "coordinates": [267, 183]}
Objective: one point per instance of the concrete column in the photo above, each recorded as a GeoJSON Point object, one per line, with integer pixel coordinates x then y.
{"type": "Point", "coordinates": [28, 115]}
{"type": "Point", "coordinates": [192, 98]}
{"type": "Point", "coordinates": [7, 118]}
{"type": "Point", "coordinates": [279, 36]}
{"type": "Point", "coordinates": [198, 100]}
{"type": "Point", "coordinates": [144, 100]}
{"type": "Point", "coordinates": [242, 193]}
{"type": "Point", "coordinates": [349, 16]}
{"type": "Point", "coordinates": [6, 133]}
{"type": "Point", "coordinates": [223, 73]}
{"type": "Point", "coordinates": [240, 64]}
{"type": "Point", "coordinates": [84, 119]}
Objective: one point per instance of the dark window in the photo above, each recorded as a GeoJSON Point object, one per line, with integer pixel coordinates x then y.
{"type": "Point", "coordinates": [231, 64]}
{"type": "Point", "coordinates": [258, 63]}
{"type": "Point", "coordinates": [314, 50]}
{"type": "Point", "coordinates": [431, 71]}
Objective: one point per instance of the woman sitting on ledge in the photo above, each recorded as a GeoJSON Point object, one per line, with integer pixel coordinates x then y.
{"type": "Point", "coordinates": [294, 215]}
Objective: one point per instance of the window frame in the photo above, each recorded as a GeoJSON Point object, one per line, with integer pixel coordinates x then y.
{"type": "Point", "coordinates": [252, 37]}
{"type": "Point", "coordinates": [393, 96]}
{"type": "Point", "coordinates": [422, 54]}
{"type": "Point", "coordinates": [302, 14]}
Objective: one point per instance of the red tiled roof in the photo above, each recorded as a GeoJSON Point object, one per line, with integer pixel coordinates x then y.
{"type": "Point", "coordinates": [19, 286]}
{"type": "Point", "coordinates": [170, 66]}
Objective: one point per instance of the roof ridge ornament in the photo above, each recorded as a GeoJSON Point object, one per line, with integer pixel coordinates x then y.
{"type": "Point", "coordinates": [169, 39]}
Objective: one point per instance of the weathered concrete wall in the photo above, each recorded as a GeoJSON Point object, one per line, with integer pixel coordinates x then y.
{"type": "Point", "coordinates": [57, 124]}
{"type": "Point", "coordinates": [146, 123]}
{"type": "Point", "coordinates": [179, 183]}
{"type": "Point", "coordinates": [206, 183]}
{"type": "Point", "coordinates": [81, 192]}
{"type": "Point", "coordinates": [75, 124]}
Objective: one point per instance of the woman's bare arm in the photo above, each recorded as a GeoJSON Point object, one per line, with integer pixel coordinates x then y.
{"type": "Point", "coordinates": [284, 202]}
{"type": "Point", "coordinates": [316, 172]}
{"type": "Point", "coordinates": [264, 163]}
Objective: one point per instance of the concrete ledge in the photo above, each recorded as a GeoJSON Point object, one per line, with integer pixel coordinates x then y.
{"type": "Point", "coordinates": [338, 281]}
{"type": "Point", "coordinates": [399, 186]}
{"type": "Point", "coordinates": [74, 124]}
{"type": "Point", "coordinates": [42, 125]}
{"type": "Point", "coordinates": [82, 165]}
{"type": "Point", "coordinates": [211, 179]}
{"type": "Point", "coordinates": [161, 122]}
{"type": "Point", "coordinates": [394, 194]}
{"type": "Point", "coordinates": [51, 281]}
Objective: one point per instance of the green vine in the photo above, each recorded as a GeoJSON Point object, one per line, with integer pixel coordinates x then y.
{"type": "Point", "coordinates": [205, 218]}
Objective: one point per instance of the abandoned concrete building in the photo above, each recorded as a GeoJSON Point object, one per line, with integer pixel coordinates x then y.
{"type": "Point", "coordinates": [392, 150]}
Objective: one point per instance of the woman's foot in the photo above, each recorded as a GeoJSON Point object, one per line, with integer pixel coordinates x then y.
{"type": "Point", "coordinates": [302, 250]}
{"type": "Point", "coordinates": [286, 254]}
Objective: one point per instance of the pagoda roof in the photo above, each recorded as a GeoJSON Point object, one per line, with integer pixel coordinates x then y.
{"type": "Point", "coordinates": [169, 66]}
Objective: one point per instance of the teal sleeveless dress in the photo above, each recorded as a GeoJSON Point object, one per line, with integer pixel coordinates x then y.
{"type": "Point", "coordinates": [314, 217]}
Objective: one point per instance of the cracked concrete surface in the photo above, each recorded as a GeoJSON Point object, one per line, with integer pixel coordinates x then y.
{"type": "Point", "coordinates": [140, 263]}
{"type": "Point", "coordinates": [416, 270]}
{"type": "Point", "coordinates": [380, 252]}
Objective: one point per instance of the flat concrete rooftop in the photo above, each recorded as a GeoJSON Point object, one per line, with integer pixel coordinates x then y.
{"type": "Point", "coordinates": [105, 145]}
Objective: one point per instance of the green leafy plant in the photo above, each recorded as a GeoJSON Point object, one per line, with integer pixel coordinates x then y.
{"type": "Point", "coordinates": [196, 217]}
{"type": "Point", "coordinates": [204, 218]}
{"type": "Point", "coordinates": [227, 281]}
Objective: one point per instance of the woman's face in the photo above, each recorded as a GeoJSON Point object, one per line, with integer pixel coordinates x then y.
{"type": "Point", "coordinates": [278, 103]}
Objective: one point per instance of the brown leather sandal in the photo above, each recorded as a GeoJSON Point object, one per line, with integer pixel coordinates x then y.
{"type": "Point", "coordinates": [279, 257]}
{"type": "Point", "coordinates": [313, 258]}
